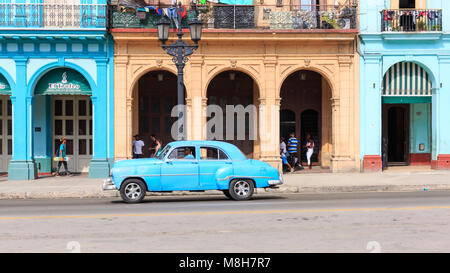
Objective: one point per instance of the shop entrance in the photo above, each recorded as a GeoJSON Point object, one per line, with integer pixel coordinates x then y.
{"type": "Point", "coordinates": [72, 119]}
{"type": "Point", "coordinates": [234, 88]}
{"type": "Point", "coordinates": [306, 110]}
{"type": "Point", "coordinates": [5, 132]}
{"type": "Point", "coordinates": [157, 96]}
{"type": "Point", "coordinates": [396, 134]}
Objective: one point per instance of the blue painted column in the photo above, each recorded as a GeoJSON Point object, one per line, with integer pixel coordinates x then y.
{"type": "Point", "coordinates": [99, 166]}
{"type": "Point", "coordinates": [22, 166]}
{"type": "Point", "coordinates": [371, 115]}
{"type": "Point", "coordinates": [441, 112]}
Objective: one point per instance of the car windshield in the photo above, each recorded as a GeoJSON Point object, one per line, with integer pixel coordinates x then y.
{"type": "Point", "coordinates": [164, 152]}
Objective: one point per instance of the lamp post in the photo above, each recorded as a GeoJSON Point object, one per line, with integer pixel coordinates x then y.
{"type": "Point", "coordinates": [180, 50]}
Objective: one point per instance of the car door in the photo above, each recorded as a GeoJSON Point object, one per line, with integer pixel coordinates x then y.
{"type": "Point", "coordinates": [179, 172]}
{"type": "Point", "coordinates": [211, 160]}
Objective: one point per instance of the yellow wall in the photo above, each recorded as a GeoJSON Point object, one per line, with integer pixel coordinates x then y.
{"type": "Point", "coordinates": [268, 58]}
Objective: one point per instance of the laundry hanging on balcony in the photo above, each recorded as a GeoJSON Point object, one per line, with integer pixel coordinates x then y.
{"type": "Point", "coordinates": [406, 79]}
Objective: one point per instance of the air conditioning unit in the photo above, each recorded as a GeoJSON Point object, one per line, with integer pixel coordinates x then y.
{"type": "Point", "coordinates": [344, 23]}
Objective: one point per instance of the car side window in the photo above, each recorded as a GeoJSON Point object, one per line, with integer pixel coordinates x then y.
{"type": "Point", "coordinates": [209, 153]}
{"type": "Point", "coordinates": [182, 153]}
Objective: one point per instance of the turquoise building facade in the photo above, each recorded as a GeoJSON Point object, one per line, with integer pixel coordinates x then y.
{"type": "Point", "coordinates": [56, 67]}
{"type": "Point", "coordinates": [404, 87]}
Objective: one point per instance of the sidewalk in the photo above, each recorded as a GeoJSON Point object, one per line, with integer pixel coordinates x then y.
{"type": "Point", "coordinates": [395, 179]}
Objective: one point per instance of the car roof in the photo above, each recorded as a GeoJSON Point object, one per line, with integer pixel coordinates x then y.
{"type": "Point", "coordinates": [229, 148]}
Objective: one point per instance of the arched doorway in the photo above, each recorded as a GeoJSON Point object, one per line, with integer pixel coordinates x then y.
{"type": "Point", "coordinates": [63, 108]}
{"type": "Point", "coordinates": [406, 116]}
{"type": "Point", "coordinates": [156, 96]}
{"type": "Point", "coordinates": [235, 88]}
{"type": "Point", "coordinates": [5, 124]}
{"type": "Point", "coordinates": [306, 109]}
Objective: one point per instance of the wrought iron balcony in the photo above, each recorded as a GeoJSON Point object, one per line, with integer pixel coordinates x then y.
{"type": "Point", "coordinates": [59, 16]}
{"type": "Point", "coordinates": [405, 20]}
{"type": "Point", "coordinates": [251, 17]}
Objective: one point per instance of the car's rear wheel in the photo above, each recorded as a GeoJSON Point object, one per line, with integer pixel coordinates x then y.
{"type": "Point", "coordinates": [241, 189]}
{"type": "Point", "coordinates": [132, 191]}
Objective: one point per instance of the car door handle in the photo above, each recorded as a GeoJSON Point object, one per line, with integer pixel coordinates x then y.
{"type": "Point", "coordinates": [228, 163]}
{"type": "Point", "coordinates": [194, 162]}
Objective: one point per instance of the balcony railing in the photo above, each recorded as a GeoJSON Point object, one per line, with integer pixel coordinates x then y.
{"type": "Point", "coordinates": [52, 16]}
{"type": "Point", "coordinates": [411, 20]}
{"type": "Point", "coordinates": [259, 17]}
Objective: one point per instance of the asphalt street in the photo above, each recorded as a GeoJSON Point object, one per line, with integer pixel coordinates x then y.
{"type": "Point", "coordinates": [352, 222]}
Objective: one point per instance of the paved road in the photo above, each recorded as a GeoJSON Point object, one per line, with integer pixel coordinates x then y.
{"type": "Point", "coordinates": [356, 222]}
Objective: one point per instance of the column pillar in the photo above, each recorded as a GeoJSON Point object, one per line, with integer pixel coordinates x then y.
{"type": "Point", "coordinates": [440, 158]}
{"type": "Point", "coordinates": [371, 114]}
{"type": "Point", "coordinates": [194, 106]}
{"type": "Point", "coordinates": [122, 126]}
{"type": "Point", "coordinates": [99, 166]}
{"type": "Point", "coordinates": [342, 136]}
{"type": "Point", "coordinates": [269, 114]}
{"type": "Point", "coordinates": [22, 165]}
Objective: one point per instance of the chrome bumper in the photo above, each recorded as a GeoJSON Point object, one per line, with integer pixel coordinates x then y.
{"type": "Point", "coordinates": [276, 182]}
{"type": "Point", "coordinates": [108, 184]}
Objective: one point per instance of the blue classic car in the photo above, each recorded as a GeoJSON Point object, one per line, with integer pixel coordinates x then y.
{"type": "Point", "coordinates": [192, 166]}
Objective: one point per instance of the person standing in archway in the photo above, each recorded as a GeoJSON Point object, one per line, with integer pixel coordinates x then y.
{"type": "Point", "coordinates": [283, 155]}
{"type": "Point", "coordinates": [292, 147]}
{"type": "Point", "coordinates": [137, 147]}
{"type": "Point", "coordinates": [156, 146]}
{"type": "Point", "coordinates": [309, 150]}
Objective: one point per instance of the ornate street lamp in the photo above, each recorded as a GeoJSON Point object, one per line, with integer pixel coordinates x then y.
{"type": "Point", "coordinates": [180, 50]}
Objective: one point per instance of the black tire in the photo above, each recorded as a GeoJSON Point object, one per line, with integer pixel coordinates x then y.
{"type": "Point", "coordinates": [227, 194]}
{"type": "Point", "coordinates": [133, 191]}
{"type": "Point", "coordinates": [241, 189]}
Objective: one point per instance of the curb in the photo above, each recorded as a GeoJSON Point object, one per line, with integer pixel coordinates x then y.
{"type": "Point", "coordinates": [281, 189]}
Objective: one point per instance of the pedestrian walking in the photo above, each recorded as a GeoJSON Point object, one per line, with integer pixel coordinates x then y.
{"type": "Point", "coordinates": [156, 146]}
{"type": "Point", "coordinates": [283, 155]}
{"type": "Point", "coordinates": [137, 147]}
{"type": "Point", "coordinates": [62, 159]}
{"type": "Point", "coordinates": [309, 150]}
{"type": "Point", "coordinates": [292, 147]}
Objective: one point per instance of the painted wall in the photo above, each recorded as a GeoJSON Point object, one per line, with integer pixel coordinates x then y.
{"type": "Point", "coordinates": [379, 51]}
{"type": "Point", "coordinates": [30, 59]}
{"type": "Point", "coordinates": [420, 131]}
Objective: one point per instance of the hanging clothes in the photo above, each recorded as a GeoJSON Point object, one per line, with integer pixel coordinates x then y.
{"type": "Point", "coordinates": [149, 8]}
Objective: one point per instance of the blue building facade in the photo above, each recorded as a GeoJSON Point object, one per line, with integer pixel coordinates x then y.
{"type": "Point", "coordinates": [56, 67]}
{"type": "Point", "coordinates": [404, 89]}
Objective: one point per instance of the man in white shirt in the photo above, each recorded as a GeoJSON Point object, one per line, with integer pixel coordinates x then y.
{"type": "Point", "coordinates": [137, 147]}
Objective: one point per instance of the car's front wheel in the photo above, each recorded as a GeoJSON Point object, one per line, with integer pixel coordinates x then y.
{"type": "Point", "coordinates": [132, 191]}
{"type": "Point", "coordinates": [241, 189]}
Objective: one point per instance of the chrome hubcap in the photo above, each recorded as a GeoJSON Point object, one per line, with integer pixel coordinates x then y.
{"type": "Point", "coordinates": [133, 191]}
{"type": "Point", "coordinates": [242, 188]}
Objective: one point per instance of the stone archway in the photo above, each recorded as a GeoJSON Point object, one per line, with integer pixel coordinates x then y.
{"type": "Point", "coordinates": [302, 93]}
{"type": "Point", "coordinates": [233, 88]}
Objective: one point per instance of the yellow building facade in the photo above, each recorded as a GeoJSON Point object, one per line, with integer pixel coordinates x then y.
{"type": "Point", "coordinates": [267, 67]}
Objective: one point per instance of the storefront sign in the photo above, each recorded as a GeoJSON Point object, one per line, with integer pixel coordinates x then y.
{"type": "Point", "coordinates": [5, 89]}
{"type": "Point", "coordinates": [63, 81]}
